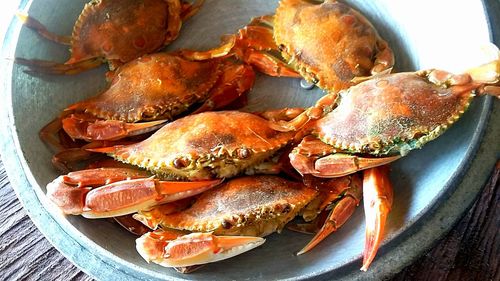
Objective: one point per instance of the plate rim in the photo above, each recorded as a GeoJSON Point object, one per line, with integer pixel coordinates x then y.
{"type": "Point", "coordinates": [98, 266]}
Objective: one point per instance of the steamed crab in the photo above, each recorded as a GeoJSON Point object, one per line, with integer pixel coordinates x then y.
{"type": "Point", "coordinates": [208, 145]}
{"type": "Point", "coordinates": [198, 148]}
{"type": "Point", "coordinates": [115, 31]}
{"type": "Point", "coordinates": [380, 120]}
{"type": "Point", "coordinates": [250, 206]}
{"type": "Point", "coordinates": [330, 44]}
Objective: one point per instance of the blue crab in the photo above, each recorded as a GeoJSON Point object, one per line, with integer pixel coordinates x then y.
{"type": "Point", "coordinates": [381, 120]}
{"type": "Point", "coordinates": [116, 31]}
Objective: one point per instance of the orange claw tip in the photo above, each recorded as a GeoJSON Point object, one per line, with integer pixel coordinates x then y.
{"type": "Point", "coordinates": [194, 248]}
{"type": "Point", "coordinates": [377, 197]}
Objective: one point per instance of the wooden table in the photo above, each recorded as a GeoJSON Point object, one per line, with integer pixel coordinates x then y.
{"type": "Point", "coordinates": [470, 251]}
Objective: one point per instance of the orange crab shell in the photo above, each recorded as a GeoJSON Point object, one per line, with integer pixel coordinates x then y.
{"type": "Point", "coordinates": [255, 206]}
{"type": "Point", "coordinates": [395, 113]}
{"type": "Point", "coordinates": [121, 30]}
{"type": "Point", "coordinates": [330, 44]}
{"type": "Point", "coordinates": [206, 145]}
{"type": "Point", "coordinates": [152, 87]}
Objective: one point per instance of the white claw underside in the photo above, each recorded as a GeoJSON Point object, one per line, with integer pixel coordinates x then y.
{"type": "Point", "coordinates": [141, 205]}
{"type": "Point", "coordinates": [207, 255]}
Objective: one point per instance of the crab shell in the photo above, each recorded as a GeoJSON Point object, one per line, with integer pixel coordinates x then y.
{"type": "Point", "coordinates": [329, 44]}
{"type": "Point", "coordinates": [395, 113]}
{"type": "Point", "coordinates": [121, 30]}
{"type": "Point", "coordinates": [205, 145]}
{"type": "Point", "coordinates": [157, 86]}
{"type": "Point", "coordinates": [253, 206]}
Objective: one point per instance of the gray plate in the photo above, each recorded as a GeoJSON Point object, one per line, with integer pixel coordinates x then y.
{"type": "Point", "coordinates": [433, 186]}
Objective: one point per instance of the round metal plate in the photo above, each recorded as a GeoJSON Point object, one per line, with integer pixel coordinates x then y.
{"type": "Point", "coordinates": [431, 186]}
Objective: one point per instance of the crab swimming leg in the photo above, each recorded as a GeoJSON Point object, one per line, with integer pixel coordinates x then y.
{"type": "Point", "coordinates": [377, 197]}
{"type": "Point", "coordinates": [110, 192]}
{"type": "Point", "coordinates": [347, 199]}
{"type": "Point", "coordinates": [172, 249]}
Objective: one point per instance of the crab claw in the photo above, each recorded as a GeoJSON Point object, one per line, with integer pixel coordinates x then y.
{"type": "Point", "coordinates": [121, 195]}
{"type": "Point", "coordinates": [337, 165]}
{"type": "Point", "coordinates": [80, 126]}
{"type": "Point", "coordinates": [334, 164]}
{"type": "Point", "coordinates": [167, 250]}
{"type": "Point", "coordinates": [377, 197]}
{"type": "Point", "coordinates": [341, 211]}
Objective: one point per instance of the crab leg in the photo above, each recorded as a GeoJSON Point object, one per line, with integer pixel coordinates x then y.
{"type": "Point", "coordinates": [72, 159]}
{"type": "Point", "coordinates": [172, 250]}
{"type": "Point", "coordinates": [341, 211]}
{"type": "Point", "coordinates": [42, 30]}
{"type": "Point", "coordinates": [49, 67]}
{"type": "Point", "coordinates": [269, 64]}
{"type": "Point", "coordinates": [80, 126]}
{"type": "Point", "coordinates": [236, 80]}
{"type": "Point", "coordinates": [48, 134]}
{"type": "Point", "coordinates": [190, 9]}
{"type": "Point", "coordinates": [377, 197]}
{"type": "Point", "coordinates": [153, 217]}
{"type": "Point", "coordinates": [125, 191]}
{"type": "Point", "coordinates": [131, 225]}
{"type": "Point", "coordinates": [227, 44]}
{"type": "Point", "coordinates": [254, 45]}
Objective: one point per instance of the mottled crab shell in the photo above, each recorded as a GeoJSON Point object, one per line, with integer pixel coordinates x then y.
{"type": "Point", "coordinates": [254, 206]}
{"type": "Point", "coordinates": [120, 29]}
{"type": "Point", "coordinates": [156, 86]}
{"type": "Point", "coordinates": [206, 145]}
{"type": "Point", "coordinates": [329, 43]}
{"type": "Point", "coordinates": [395, 113]}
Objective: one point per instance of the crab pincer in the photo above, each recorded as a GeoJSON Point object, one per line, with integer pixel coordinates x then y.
{"type": "Point", "coordinates": [116, 31]}
{"type": "Point", "coordinates": [176, 250]}
{"type": "Point", "coordinates": [111, 192]}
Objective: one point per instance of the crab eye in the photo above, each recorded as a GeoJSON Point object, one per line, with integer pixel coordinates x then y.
{"type": "Point", "coordinates": [180, 163]}
{"type": "Point", "coordinates": [226, 224]}
{"type": "Point", "coordinates": [286, 209]}
{"type": "Point", "coordinates": [243, 153]}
